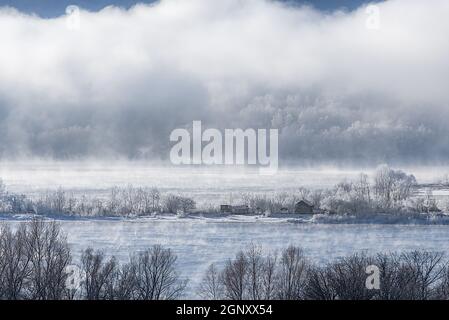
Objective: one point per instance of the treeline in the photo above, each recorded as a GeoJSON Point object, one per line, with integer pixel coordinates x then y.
{"type": "Point", "coordinates": [36, 264]}
{"type": "Point", "coordinates": [389, 191]}
{"type": "Point", "coordinates": [118, 202]}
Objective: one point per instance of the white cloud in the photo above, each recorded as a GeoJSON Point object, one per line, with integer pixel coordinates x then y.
{"type": "Point", "coordinates": [126, 78]}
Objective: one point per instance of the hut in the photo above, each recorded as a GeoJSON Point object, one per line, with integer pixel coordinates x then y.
{"type": "Point", "coordinates": [304, 207]}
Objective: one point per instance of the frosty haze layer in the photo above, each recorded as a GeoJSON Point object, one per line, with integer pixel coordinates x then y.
{"type": "Point", "coordinates": [207, 185]}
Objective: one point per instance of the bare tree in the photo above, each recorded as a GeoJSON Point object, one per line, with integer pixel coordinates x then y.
{"type": "Point", "coordinates": [211, 287]}
{"type": "Point", "coordinates": [125, 282]}
{"type": "Point", "coordinates": [250, 275]}
{"type": "Point", "coordinates": [442, 289]}
{"type": "Point", "coordinates": [348, 277]}
{"type": "Point", "coordinates": [156, 275]}
{"type": "Point", "coordinates": [304, 193]}
{"type": "Point", "coordinates": [234, 277]}
{"type": "Point", "coordinates": [255, 263]}
{"type": "Point", "coordinates": [292, 275]}
{"type": "Point", "coordinates": [59, 200]}
{"type": "Point", "coordinates": [343, 279]}
{"type": "Point", "coordinates": [269, 277]}
{"type": "Point", "coordinates": [113, 203]}
{"type": "Point", "coordinates": [426, 270]}
{"type": "Point", "coordinates": [319, 285]}
{"type": "Point", "coordinates": [49, 256]}
{"type": "Point", "coordinates": [155, 198]}
{"type": "Point", "coordinates": [99, 275]}
{"type": "Point", "coordinates": [14, 263]}
{"type": "Point", "coordinates": [316, 197]}
{"type": "Point", "coordinates": [2, 188]}
{"type": "Point", "coordinates": [395, 278]}
{"type": "Point", "coordinates": [172, 203]}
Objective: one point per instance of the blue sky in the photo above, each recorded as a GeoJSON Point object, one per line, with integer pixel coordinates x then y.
{"type": "Point", "coordinates": [51, 8]}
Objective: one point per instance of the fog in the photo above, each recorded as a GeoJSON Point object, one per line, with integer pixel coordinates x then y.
{"type": "Point", "coordinates": [338, 92]}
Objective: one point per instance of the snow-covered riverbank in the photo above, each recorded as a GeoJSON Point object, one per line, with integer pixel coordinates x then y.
{"type": "Point", "coordinates": [399, 219]}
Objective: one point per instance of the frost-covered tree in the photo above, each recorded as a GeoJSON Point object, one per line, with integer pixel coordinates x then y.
{"type": "Point", "coordinates": [392, 186]}
{"type": "Point", "coordinates": [174, 203]}
{"type": "Point", "coordinates": [155, 196]}
{"type": "Point", "coordinates": [2, 188]}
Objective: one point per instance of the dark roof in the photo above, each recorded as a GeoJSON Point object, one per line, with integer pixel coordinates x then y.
{"type": "Point", "coordinates": [305, 202]}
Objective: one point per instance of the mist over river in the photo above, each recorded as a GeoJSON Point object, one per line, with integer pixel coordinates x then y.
{"type": "Point", "coordinates": [200, 242]}
{"type": "Point", "coordinates": [207, 185]}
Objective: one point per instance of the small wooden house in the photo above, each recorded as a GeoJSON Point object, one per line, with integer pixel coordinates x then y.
{"type": "Point", "coordinates": [226, 208]}
{"type": "Point", "coordinates": [304, 207]}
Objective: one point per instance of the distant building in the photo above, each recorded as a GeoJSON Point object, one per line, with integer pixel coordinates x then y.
{"type": "Point", "coordinates": [240, 209]}
{"type": "Point", "coordinates": [304, 207]}
{"type": "Point", "coordinates": [284, 210]}
{"type": "Point", "coordinates": [226, 208]}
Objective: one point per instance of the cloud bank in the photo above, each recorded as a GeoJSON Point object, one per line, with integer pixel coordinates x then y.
{"type": "Point", "coordinates": [120, 83]}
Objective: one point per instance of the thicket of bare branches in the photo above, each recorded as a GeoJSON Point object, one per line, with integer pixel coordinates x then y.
{"type": "Point", "coordinates": [343, 279]}
{"type": "Point", "coordinates": [118, 202]}
{"type": "Point", "coordinates": [156, 275]}
{"type": "Point", "coordinates": [35, 263]}
{"type": "Point", "coordinates": [33, 260]}
{"type": "Point", "coordinates": [99, 276]}
{"type": "Point", "coordinates": [149, 275]}
{"type": "Point", "coordinates": [252, 275]}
